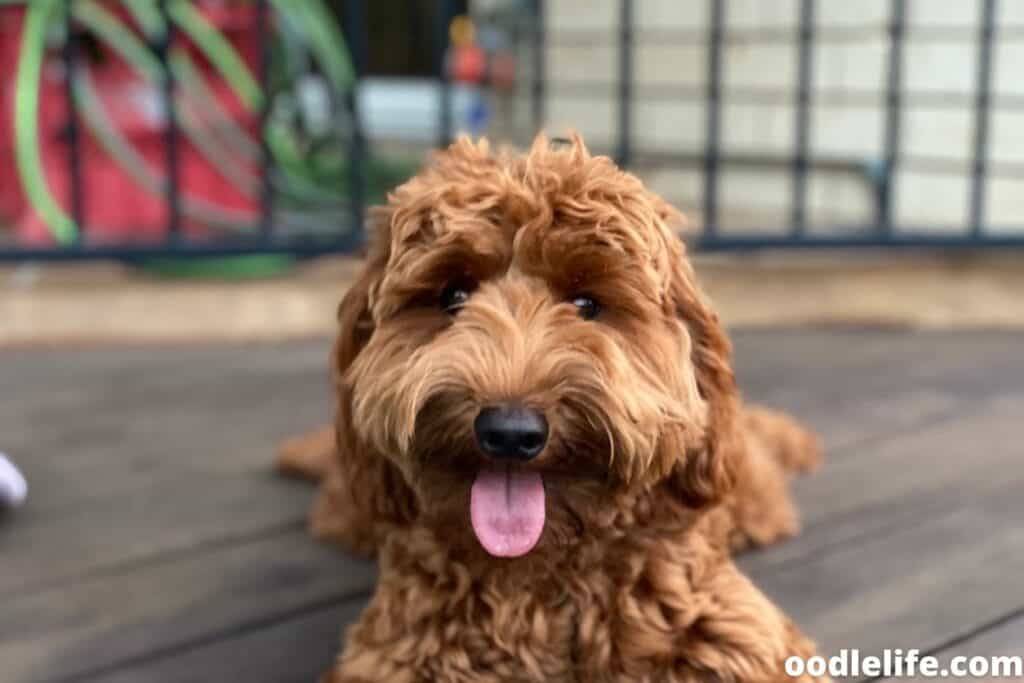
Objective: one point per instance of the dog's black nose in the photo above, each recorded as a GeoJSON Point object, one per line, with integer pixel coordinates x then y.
{"type": "Point", "coordinates": [511, 432]}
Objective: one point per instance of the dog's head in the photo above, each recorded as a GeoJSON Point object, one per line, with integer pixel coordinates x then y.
{"type": "Point", "coordinates": [527, 345]}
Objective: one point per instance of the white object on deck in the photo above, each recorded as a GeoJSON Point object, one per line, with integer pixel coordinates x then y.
{"type": "Point", "coordinates": [13, 487]}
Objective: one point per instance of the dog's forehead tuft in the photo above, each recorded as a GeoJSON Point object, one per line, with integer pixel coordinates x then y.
{"type": "Point", "coordinates": [472, 192]}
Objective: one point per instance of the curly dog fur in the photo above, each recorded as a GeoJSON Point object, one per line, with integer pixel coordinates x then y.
{"type": "Point", "coordinates": [653, 471]}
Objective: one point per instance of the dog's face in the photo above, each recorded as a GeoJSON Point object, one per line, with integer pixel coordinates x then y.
{"type": "Point", "coordinates": [528, 345]}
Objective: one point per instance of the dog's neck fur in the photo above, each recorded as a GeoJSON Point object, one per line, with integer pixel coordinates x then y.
{"type": "Point", "coordinates": [561, 603]}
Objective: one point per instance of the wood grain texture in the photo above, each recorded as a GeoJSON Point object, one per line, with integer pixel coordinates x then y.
{"type": "Point", "coordinates": [135, 453]}
{"type": "Point", "coordinates": [64, 632]}
{"type": "Point", "coordinates": [902, 481]}
{"type": "Point", "coordinates": [296, 650]}
{"type": "Point", "coordinates": [856, 386]}
{"type": "Point", "coordinates": [1003, 640]}
{"type": "Point", "coordinates": [918, 586]}
{"type": "Point", "coordinates": [158, 546]}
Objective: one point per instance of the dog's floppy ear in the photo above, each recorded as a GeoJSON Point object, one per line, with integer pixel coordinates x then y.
{"type": "Point", "coordinates": [708, 471]}
{"type": "Point", "coordinates": [355, 324]}
{"type": "Point", "coordinates": [362, 492]}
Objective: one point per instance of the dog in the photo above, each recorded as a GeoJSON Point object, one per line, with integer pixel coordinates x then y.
{"type": "Point", "coordinates": [540, 437]}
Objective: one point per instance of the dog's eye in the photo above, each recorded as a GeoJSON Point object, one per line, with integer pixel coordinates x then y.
{"type": "Point", "coordinates": [587, 306]}
{"type": "Point", "coordinates": [454, 297]}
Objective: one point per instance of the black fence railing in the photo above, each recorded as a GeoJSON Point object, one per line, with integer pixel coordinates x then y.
{"type": "Point", "coordinates": [345, 232]}
{"type": "Point", "coordinates": [879, 174]}
{"type": "Point", "coordinates": [180, 236]}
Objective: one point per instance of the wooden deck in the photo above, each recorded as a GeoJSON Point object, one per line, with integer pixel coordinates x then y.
{"type": "Point", "coordinates": [158, 545]}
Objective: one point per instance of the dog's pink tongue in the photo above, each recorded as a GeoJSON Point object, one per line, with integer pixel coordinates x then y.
{"type": "Point", "coordinates": [507, 510]}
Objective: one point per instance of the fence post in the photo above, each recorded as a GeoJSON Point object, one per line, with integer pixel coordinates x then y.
{"type": "Point", "coordinates": [538, 94]}
{"type": "Point", "coordinates": [70, 57]}
{"type": "Point", "coordinates": [983, 97]}
{"type": "Point", "coordinates": [442, 39]}
{"type": "Point", "coordinates": [624, 153]}
{"type": "Point", "coordinates": [712, 134]}
{"type": "Point", "coordinates": [263, 29]}
{"type": "Point", "coordinates": [170, 128]}
{"type": "Point", "coordinates": [893, 113]}
{"type": "Point", "coordinates": [798, 213]}
{"type": "Point", "coordinates": [357, 34]}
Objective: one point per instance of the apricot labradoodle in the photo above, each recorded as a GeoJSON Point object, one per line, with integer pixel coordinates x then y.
{"type": "Point", "coordinates": [540, 436]}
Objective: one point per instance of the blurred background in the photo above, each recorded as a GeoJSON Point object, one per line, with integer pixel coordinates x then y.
{"type": "Point", "coordinates": [240, 139]}
{"type": "Point", "coordinates": [137, 128]}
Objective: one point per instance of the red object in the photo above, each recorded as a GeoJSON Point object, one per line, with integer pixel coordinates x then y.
{"type": "Point", "coordinates": [12, 201]}
{"type": "Point", "coordinates": [116, 207]}
{"type": "Point", "coordinates": [469, 64]}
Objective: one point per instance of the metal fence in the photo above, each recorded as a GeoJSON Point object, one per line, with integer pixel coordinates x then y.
{"type": "Point", "coordinates": [883, 231]}
{"type": "Point", "coordinates": [265, 235]}
{"type": "Point", "coordinates": [348, 234]}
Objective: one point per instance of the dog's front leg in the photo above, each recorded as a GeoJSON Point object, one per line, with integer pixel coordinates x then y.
{"type": "Point", "coordinates": [690, 619]}
{"type": "Point", "coordinates": [740, 635]}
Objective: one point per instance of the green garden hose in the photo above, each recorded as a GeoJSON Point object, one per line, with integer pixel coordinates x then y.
{"type": "Point", "coordinates": [200, 95]}
{"type": "Point", "coordinates": [326, 40]}
{"type": "Point", "coordinates": [26, 122]}
{"type": "Point", "coordinates": [312, 21]}
{"type": "Point", "coordinates": [134, 51]}
{"type": "Point", "coordinates": [221, 53]}
{"type": "Point", "coordinates": [147, 16]}
{"type": "Point", "coordinates": [200, 100]}
{"type": "Point", "coordinates": [88, 102]}
{"type": "Point", "coordinates": [118, 38]}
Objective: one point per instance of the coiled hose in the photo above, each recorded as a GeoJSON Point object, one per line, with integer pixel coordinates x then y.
{"type": "Point", "coordinates": [312, 19]}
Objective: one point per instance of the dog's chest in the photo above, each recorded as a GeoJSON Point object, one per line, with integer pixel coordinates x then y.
{"type": "Point", "coordinates": [554, 623]}
{"type": "Point", "coordinates": [507, 629]}
{"type": "Point", "coordinates": [540, 629]}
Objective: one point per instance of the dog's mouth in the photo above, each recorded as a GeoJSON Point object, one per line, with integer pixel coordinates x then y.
{"type": "Point", "coordinates": [507, 510]}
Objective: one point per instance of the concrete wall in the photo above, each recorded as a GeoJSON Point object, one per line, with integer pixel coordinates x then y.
{"type": "Point", "coordinates": [847, 118]}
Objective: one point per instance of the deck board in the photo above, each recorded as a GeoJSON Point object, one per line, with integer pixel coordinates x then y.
{"type": "Point", "coordinates": [93, 625]}
{"type": "Point", "coordinates": [158, 546]}
{"type": "Point", "coordinates": [164, 517]}
{"type": "Point", "coordinates": [1004, 639]}
{"type": "Point", "coordinates": [919, 586]}
{"type": "Point", "coordinates": [855, 386]}
{"type": "Point", "coordinates": [135, 454]}
{"type": "Point", "coordinates": [902, 481]}
{"type": "Point", "coordinates": [255, 654]}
